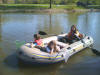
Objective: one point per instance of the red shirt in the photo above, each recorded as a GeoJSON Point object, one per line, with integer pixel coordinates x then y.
{"type": "Point", "coordinates": [39, 42]}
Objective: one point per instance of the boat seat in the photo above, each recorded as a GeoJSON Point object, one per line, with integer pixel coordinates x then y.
{"type": "Point", "coordinates": [62, 44]}
{"type": "Point", "coordinates": [47, 40]}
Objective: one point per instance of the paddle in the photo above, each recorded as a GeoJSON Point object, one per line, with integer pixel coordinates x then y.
{"type": "Point", "coordinates": [44, 33]}
{"type": "Point", "coordinates": [95, 51]}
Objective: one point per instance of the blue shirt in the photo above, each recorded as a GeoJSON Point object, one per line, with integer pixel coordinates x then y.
{"type": "Point", "coordinates": [48, 49]}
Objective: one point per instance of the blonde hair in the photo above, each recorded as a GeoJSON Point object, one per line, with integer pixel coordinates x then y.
{"type": "Point", "coordinates": [53, 43]}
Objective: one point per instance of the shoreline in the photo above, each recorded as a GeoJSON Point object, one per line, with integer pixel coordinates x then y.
{"type": "Point", "coordinates": [49, 10]}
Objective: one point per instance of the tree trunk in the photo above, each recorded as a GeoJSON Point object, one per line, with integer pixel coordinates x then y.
{"type": "Point", "coordinates": [4, 1]}
{"type": "Point", "coordinates": [50, 4]}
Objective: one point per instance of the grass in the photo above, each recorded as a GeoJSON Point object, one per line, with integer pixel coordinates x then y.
{"type": "Point", "coordinates": [94, 6]}
{"type": "Point", "coordinates": [44, 6]}
{"type": "Point", "coordinates": [22, 6]}
{"type": "Point", "coordinates": [37, 6]}
{"type": "Point", "coordinates": [68, 7]}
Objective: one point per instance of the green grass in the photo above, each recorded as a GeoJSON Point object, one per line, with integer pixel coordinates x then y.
{"type": "Point", "coordinates": [22, 6]}
{"type": "Point", "coordinates": [44, 6]}
{"type": "Point", "coordinates": [68, 7]}
{"type": "Point", "coordinates": [94, 6]}
{"type": "Point", "coordinates": [37, 6]}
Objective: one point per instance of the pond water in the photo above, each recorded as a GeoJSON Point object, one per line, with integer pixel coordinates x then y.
{"type": "Point", "coordinates": [22, 26]}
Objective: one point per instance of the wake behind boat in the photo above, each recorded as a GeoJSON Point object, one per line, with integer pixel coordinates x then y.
{"type": "Point", "coordinates": [35, 55]}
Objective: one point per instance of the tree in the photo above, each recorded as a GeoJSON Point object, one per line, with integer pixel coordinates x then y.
{"type": "Point", "coordinates": [50, 4]}
{"type": "Point", "coordinates": [4, 1]}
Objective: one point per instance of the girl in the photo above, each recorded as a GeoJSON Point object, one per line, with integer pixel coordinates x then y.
{"type": "Point", "coordinates": [52, 47]}
{"type": "Point", "coordinates": [37, 41]}
{"type": "Point", "coordinates": [74, 33]}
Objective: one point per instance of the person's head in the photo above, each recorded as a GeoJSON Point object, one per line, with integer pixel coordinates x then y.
{"type": "Point", "coordinates": [52, 44]}
{"type": "Point", "coordinates": [73, 28]}
{"type": "Point", "coordinates": [37, 37]}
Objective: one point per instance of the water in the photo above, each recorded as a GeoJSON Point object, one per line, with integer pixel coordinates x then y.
{"type": "Point", "coordinates": [22, 26]}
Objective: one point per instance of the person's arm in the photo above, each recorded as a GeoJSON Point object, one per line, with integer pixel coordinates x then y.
{"type": "Point", "coordinates": [77, 35]}
{"type": "Point", "coordinates": [51, 52]}
{"type": "Point", "coordinates": [47, 49]}
{"type": "Point", "coordinates": [58, 48]}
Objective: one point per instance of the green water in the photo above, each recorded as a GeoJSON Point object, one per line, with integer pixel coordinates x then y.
{"type": "Point", "coordinates": [22, 26]}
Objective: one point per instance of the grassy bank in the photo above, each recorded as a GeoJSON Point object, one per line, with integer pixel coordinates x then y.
{"type": "Point", "coordinates": [37, 6]}
{"type": "Point", "coordinates": [94, 6]}
{"type": "Point", "coordinates": [45, 8]}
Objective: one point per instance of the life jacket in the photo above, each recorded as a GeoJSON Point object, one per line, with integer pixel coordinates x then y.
{"type": "Point", "coordinates": [39, 42]}
{"type": "Point", "coordinates": [79, 34]}
{"type": "Point", "coordinates": [71, 35]}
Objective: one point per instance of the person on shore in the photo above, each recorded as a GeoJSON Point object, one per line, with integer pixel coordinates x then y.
{"type": "Point", "coordinates": [52, 47]}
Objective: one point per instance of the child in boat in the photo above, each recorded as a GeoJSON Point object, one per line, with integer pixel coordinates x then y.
{"type": "Point", "coordinates": [52, 47]}
{"type": "Point", "coordinates": [72, 35]}
{"type": "Point", "coordinates": [37, 41]}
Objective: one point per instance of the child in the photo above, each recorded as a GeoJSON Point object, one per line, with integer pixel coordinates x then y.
{"type": "Point", "coordinates": [74, 33]}
{"type": "Point", "coordinates": [52, 47]}
{"type": "Point", "coordinates": [37, 41]}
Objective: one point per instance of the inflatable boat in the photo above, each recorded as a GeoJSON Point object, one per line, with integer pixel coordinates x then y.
{"type": "Point", "coordinates": [35, 55]}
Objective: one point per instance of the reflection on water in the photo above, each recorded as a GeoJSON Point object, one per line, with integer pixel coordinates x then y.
{"type": "Point", "coordinates": [22, 26]}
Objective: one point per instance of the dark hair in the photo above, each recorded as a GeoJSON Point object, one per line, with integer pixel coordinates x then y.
{"type": "Point", "coordinates": [73, 26]}
{"type": "Point", "coordinates": [37, 36]}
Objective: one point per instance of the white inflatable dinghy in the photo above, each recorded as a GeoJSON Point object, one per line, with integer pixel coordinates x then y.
{"type": "Point", "coordinates": [34, 55]}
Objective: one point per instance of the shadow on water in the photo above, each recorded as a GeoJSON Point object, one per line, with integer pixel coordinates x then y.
{"type": "Point", "coordinates": [11, 61]}
{"type": "Point", "coordinates": [34, 69]}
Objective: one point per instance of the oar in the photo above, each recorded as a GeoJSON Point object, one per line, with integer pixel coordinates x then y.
{"type": "Point", "coordinates": [95, 51]}
{"type": "Point", "coordinates": [44, 33]}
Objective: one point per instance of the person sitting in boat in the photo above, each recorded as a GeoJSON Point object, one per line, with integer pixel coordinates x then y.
{"type": "Point", "coordinates": [74, 34]}
{"type": "Point", "coordinates": [37, 41]}
{"type": "Point", "coordinates": [52, 47]}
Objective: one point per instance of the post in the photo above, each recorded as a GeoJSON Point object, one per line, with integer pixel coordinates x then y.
{"type": "Point", "coordinates": [50, 4]}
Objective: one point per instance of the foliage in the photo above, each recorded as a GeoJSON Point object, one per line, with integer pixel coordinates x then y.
{"type": "Point", "coordinates": [44, 4]}
{"type": "Point", "coordinates": [64, 2]}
